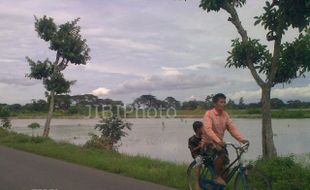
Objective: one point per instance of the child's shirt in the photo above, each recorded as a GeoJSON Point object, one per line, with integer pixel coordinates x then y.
{"type": "Point", "coordinates": [194, 142]}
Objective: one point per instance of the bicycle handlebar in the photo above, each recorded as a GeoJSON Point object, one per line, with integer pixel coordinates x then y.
{"type": "Point", "coordinates": [239, 149]}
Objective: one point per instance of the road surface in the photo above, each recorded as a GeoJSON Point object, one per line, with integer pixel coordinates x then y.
{"type": "Point", "coordinates": [21, 170]}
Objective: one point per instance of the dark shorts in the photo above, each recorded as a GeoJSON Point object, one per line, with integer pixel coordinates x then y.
{"type": "Point", "coordinates": [212, 153]}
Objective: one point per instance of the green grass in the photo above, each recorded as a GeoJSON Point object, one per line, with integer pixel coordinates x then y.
{"type": "Point", "coordinates": [140, 167]}
{"type": "Point", "coordinates": [285, 172]}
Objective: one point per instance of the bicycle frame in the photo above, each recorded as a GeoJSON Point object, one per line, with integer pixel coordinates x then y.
{"type": "Point", "coordinates": [228, 173]}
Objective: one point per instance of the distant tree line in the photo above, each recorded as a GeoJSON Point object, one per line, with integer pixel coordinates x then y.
{"type": "Point", "coordinates": [71, 104]}
{"type": "Point", "coordinates": [150, 101]}
{"type": "Point", "coordinates": [80, 104]}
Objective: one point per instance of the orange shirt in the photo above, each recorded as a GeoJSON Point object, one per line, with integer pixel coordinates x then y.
{"type": "Point", "coordinates": [215, 125]}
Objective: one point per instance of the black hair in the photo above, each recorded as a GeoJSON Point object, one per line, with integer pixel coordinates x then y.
{"type": "Point", "coordinates": [217, 96]}
{"type": "Point", "coordinates": [197, 125]}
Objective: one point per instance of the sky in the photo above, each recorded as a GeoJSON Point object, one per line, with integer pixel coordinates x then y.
{"type": "Point", "coordinates": [163, 47]}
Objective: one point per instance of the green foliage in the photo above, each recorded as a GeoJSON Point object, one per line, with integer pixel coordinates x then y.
{"type": "Point", "coordinates": [285, 173]}
{"type": "Point", "coordinates": [281, 14]}
{"type": "Point", "coordinates": [146, 101]}
{"type": "Point", "coordinates": [52, 78]}
{"type": "Point", "coordinates": [253, 51]}
{"type": "Point", "coordinates": [65, 39]}
{"type": "Point", "coordinates": [45, 27]}
{"type": "Point", "coordinates": [208, 101]}
{"type": "Point", "coordinates": [6, 123]}
{"type": "Point", "coordinates": [99, 142]}
{"type": "Point", "coordinates": [73, 110]}
{"type": "Point", "coordinates": [194, 104]}
{"type": "Point", "coordinates": [34, 126]}
{"type": "Point", "coordinates": [58, 83]}
{"type": "Point", "coordinates": [4, 116]}
{"type": "Point", "coordinates": [4, 112]}
{"type": "Point", "coordinates": [216, 5]}
{"type": "Point", "coordinates": [36, 106]}
{"type": "Point", "coordinates": [276, 103]}
{"type": "Point", "coordinates": [294, 59]}
{"type": "Point", "coordinates": [39, 70]}
{"type": "Point", "coordinates": [112, 130]}
{"type": "Point", "coordinates": [172, 102]}
{"type": "Point", "coordinates": [69, 46]}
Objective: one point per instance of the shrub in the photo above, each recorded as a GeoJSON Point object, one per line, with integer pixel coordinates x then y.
{"type": "Point", "coordinates": [112, 129]}
{"type": "Point", "coordinates": [34, 126]}
{"type": "Point", "coordinates": [285, 173]}
{"type": "Point", "coordinates": [4, 116]}
{"type": "Point", "coordinates": [6, 123]}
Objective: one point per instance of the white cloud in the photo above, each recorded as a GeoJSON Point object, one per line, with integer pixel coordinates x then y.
{"type": "Point", "coordinates": [193, 67]}
{"type": "Point", "coordinates": [168, 71]}
{"type": "Point", "coordinates": [101, 91]}
{"type": "Point", "coordinates": [166, 82]}
{"type": "Point", "coordinates": [192, 97]}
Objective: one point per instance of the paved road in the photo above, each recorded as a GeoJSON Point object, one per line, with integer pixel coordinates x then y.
{"type": "Point", "coordinates": [25, 171]}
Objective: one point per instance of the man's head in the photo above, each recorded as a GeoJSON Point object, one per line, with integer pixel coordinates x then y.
{"type": "Point", "coordinates": [197, 126]}
{"type": "Point", "coordinates": [219, 101]}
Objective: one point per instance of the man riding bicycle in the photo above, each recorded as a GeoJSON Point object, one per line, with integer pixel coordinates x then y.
{"type": "Point", "coordinates": [216, 121]}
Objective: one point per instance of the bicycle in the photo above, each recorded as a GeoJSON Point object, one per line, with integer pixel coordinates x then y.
{"type": "Point", "coordinates": [247, 176]}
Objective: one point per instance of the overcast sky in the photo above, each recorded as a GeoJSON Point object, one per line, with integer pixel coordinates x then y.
{"type": "Point", "coordinates": [162, 47]}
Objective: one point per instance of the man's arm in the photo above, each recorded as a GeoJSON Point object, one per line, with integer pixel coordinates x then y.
{"type": "Point", "coordinates": [232, 129]}
{"type": "Point", "coordinates": [207, 127]}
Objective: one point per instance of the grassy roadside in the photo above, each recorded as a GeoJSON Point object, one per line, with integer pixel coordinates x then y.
{"type": "Point", "coordinates": [284, 172]}
{"type": "Point", "coordinates": [197, 113]}
{"type": "Point", "coordinates": [140, 167]}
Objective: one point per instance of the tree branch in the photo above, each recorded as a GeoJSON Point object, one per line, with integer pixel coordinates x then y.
{"type": "Point", "coordinates": [234, 19]}
{"type": "Point", "coordinates": [275, 59]}
{"type": "Point", "coordinates": [63, 64]}
{"type": "Point", "coordinates": [57, 59]}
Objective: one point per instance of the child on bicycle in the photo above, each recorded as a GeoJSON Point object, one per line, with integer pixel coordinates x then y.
{"type": "Point", "coordinates": [194, 145]}
{"type": "Point", "coordinates": [216, 121]}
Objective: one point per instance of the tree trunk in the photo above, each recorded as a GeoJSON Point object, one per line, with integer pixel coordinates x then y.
{"type": "Point", "coordinates": [49, 115]}
{"type": "Point", "coordinates": [269, 149]}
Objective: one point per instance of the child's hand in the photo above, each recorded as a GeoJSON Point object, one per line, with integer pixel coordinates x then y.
{"type": "Point", "coordinates": [219, 146]}
{"type": "Point", "coordinates": [221, 143]}
{"type": "Point", "coordinates": [244, 141]}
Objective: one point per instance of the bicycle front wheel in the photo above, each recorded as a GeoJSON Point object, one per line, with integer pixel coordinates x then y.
{"type": "Point", "coordinates": [252, 179]}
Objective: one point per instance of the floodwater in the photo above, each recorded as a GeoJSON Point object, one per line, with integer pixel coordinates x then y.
{"type": "Point", "coordinates": [167, 138]}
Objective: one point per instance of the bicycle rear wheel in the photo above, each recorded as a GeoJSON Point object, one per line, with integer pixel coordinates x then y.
{"type": "Point", "coordinates": [252, 179]}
